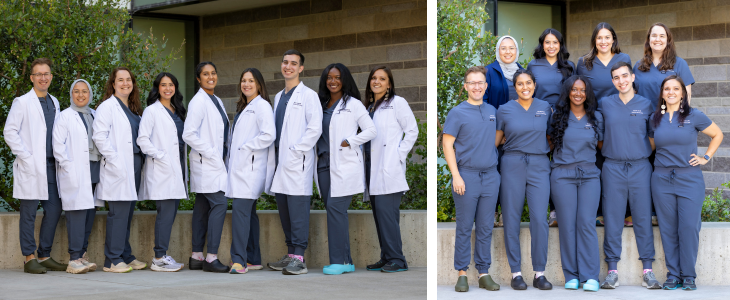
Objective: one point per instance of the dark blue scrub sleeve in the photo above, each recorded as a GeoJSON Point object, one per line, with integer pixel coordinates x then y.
{"type": "Point", "coordinates": [474, 128]}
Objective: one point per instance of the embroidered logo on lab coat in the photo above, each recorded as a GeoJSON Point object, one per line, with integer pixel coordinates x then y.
{"type": "Point", "coordinates": [386, 107]}
{"type": "Point", "coordinates": [345, 110]}
{"type": "Point", "coordinates": [297, 104]}
{"type": "Point", "coordinates": [249, 111]}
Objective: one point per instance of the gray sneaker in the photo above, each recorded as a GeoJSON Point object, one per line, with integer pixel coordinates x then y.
{"type": "Point", "coordinates": [166, 264]}
{"type": "Point", "coordinates": [650, 281]}
{"type": "Point", "coordinates": [279, 265]}
{"type": "Point", "coordinates": [295, 267]}
{"type": "Point", "coordinates": [611, 281]}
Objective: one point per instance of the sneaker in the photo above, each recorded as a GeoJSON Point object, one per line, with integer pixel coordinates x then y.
{"type": "Point", "coordinates": [166, 264]}
{"type": "Point", "coordinates": [295, 267]}
{"type": "Point", "coordinates": [254, 267]}
{"type": "Point", "coordinates": [376, 266]}
{"type": "Point", "coordinates": [611, 281]}
{"type": "Point", "coordinates": [671, 284]}
{"type": "Point", "coordinates": [689, 284]}
{"type": "Point", "coordinates": [238, 269]}
{"type": "Point", "coordinates": [337, 269]}
{"type": "Point", "coordinates": [590, 286]}
{"type": "Point", "coordinates": [85, 260]}
{"type": "Point", "coordinates": [650, 281]}
{"type": "Point", "coordinates": [553, 221]}
{"type": "Point", "coordinates": [76, 267]}
{"type": "Point", "coordinates": [53, 265]}
{"type": "Point", "coordinates": [599, 221]}
{"type": "Point", "coordinates": [34, 267]}
{"type": "Point", "coordinates": [137, 265]}
{"type": "Point", "coordinates": [392, 267]}
{"type": "Point", "coordinates": [654, 221]}
{"type": "Point", "coordinates": [628, 222]}
{"type": "Point", "coordinates": [118, 268]}
{"type": "Point", "coordinates": [279, 265]}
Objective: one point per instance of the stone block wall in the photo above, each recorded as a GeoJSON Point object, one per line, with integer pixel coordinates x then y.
{"type": "Point", "coordinates": [701, 31]}
{"type": "Point", "coordinates": [358, 34]}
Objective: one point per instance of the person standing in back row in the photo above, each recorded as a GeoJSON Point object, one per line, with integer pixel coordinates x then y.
{"type": "Point", "coordinates": [298, 118]}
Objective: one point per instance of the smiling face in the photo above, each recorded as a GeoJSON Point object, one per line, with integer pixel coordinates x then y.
{"type": "Point", "coordinates": [507, 51]}
{"type": "Point", "coordinates": [672, 92]}
{"type": "Point", "coordinates": [658, 39]}
{"type": "Point", "coordinates": [167, 88]}
{"type": "Point", "coordinates": [475, 85]}
{"type": "Point", "coordinates": [249, 87]}
{"type": "Point", "coordinates": [80, 94]}
{"type": "Point", "coordinates": [208, 77]}
{"type": "Point", "coordinates": [41, 77]}
{"type": "Point", "coordinates": [291, 66]}
{"type": "Point", "coordinates": [623, 80]}
{"type": "Point", "coordinates": [379, 83]}
{"type": "Point", "coordinates": [524, 86]}
{"type": "Point", "coordinates": [334, 82]}
{"type": "Point", "coordinates": [578, 93]}
{"type": "Point", "coordinates": [604, 41]}
{"type": "Point", "coordinates": [551, 46]}
{"type": "Point", "coordinates": [123, 84]}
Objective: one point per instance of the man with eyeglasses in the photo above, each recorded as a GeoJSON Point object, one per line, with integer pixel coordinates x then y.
{"type": "Point", "coordinates": [470, 148]}
{"type": "Point", "coordinates": [28, 132]}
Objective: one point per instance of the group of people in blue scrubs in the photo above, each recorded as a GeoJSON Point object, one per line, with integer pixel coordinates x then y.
{"type": "Point", "coordinates": [120, 153]}
{"type": "Point", "coordinates": [595, 137]}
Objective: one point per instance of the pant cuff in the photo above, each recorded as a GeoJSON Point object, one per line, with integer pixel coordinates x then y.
{"type": "Point", "coordinates": [538, 268]}
{"type": "Point", "coordinates": [514, 269]}
{"type": "Point", "coordinates": [647, 264]}
{"type": "Point", "coordinates": [612, 265]}
{"type": "Point", "coordinates": [44, 254]}
{"type": "Point", "coordinates": [483, 271]}
{"type": "Point", "coordinates": [299, 251]}
{"type": "Point", "coordinates": [290, 249]}
{"type": "Point", "coordinates": [129, 259]}
{"type": "Point", "coordinates": [161, 254]}
{"type": "Point", "coordinates": [197, 249]}
{"type": "Point", "coordinates": [75, 256]}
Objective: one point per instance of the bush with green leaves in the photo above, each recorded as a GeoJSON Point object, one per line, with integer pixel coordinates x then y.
{"type": "Point", "coordinates": [84, 39]}
{"type": "Point", "coordinates": [716, 208]}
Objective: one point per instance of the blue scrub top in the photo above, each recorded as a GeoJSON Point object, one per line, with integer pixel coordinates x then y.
{"type": "Point", "coordinates": [626, 134]}
{"type": "Point", "coordinates": [474, 127]}
{"type": "Point", "coordinates": [649, 83]}
{"type": "Point", "coordinates": [600, 75]}
{"type": "Point", "coordinates": [676, 142]}
{"type": "Point", "coordinates": [548, 78]}
{"type": "Point", "coordinates": [579, 140]}
{"type": "Point", "coordinates": [525, 130]}
{"type": "Point", "coordinates": [323, 143]}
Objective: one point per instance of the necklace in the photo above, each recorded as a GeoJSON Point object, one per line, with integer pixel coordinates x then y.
{"type": "Point", "coordinates": [577, 117]}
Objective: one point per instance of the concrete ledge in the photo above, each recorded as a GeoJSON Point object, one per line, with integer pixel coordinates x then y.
{"type": "Point", "coordinates": [712, 262]}
{"type": "Point", "coordinates": [363, 238]}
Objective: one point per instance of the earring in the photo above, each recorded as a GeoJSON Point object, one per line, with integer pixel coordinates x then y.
{"type": "Point", "coordinates": [681, 110]}
{"type": "Point", "coordinates": [664, 107]}
{"type": "Point", "coordinates": [385, 97]}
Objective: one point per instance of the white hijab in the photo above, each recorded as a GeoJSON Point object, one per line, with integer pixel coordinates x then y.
{"type": "Point", "coordinates": [508, 70]}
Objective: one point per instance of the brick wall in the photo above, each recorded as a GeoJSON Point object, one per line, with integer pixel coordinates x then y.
{"type": "Point", "coordinates": [359, 34]}
{"type": "Point", "coordinates": [701, 31]}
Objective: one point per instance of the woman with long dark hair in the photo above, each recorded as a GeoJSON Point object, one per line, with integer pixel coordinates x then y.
{"type": "Point", "coordinates": [524, 124]}
{"type": "Point", "coordinates": [385, 164]}
{"type": "Point", "coordinates": [596, 64]}
{"type": "Point", "coordinates": [576, 132]}
{"type": "Point", "coordinates": [166, 172]}
{"type": "Point", "coordinates": [115, 133]}
{"type": "Point", "coordinates": [206, 132]}
{"type": "Point", "coordinates": [677, 185]}
{"type": "Point", "coordinates": [660, 61]}
{"type": "Point", "coordinates": [340, 169]}
{"type": "Point", "coordinates": [251, 164]}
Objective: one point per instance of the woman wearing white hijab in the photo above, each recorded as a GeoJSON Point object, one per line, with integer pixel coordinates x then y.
{"type": "Point", "coordinates": [78, 172]}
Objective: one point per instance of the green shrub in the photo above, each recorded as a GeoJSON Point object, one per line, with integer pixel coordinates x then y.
{"type": "Point", "coordinates": [716, 208]}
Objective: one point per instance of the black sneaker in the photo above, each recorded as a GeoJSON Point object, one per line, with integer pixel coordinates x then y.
{"type": "Point", "coordinates": [295, 267]}
{"type": "Point", "coordinates": [671, 284]}
{"type": "Point", "coordinates": [377, 266]}
{"type": "Point", "coordinates": [392, 267]}
{"type": "Point", "coordinates": [689, 284]}
{"type": "Point", "coordinates": [279, 265]}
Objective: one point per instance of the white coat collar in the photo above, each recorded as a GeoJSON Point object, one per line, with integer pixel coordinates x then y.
{"type": "Point", "coordinates": [163, 109]}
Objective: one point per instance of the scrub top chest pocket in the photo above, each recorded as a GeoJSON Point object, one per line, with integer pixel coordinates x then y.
{"type": "Point", "coordinates": [637, 121]}
{"type": "Point", "coordinates": [540, 121]}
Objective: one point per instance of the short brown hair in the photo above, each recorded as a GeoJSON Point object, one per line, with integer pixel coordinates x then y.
{"type": "Point", "coordinates": [41, 61]}
{"type": "Point", "coordinates": [475, 70]}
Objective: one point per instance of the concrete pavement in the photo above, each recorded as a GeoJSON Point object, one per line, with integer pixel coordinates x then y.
{"type": "Point", "coordinates": [559, 293]}
{"type": "Point", "coordinates": [187, 284]}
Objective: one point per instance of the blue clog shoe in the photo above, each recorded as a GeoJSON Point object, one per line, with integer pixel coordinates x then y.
{"type": "Point", "coordinates": [337, 269]}
{"type": "Point", "coordinates": [572, 284]}
{"type": "Point", "coordinates": [591, 286]}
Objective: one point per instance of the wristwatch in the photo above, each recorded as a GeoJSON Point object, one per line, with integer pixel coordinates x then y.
{"type": "Point", "coordinates": [707, 157]}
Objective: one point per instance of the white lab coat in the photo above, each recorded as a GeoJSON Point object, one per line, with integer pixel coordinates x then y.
{"type": "Point", "coordinates": [204, 130]}
{"type": "Point", "coordinates": [157, 138]}
{"type": "Point", "coordinates": [301, 129]}
{"type": "Point", "coordinates": [389, 149]}
{"type": "Point", "coordinates": [71, 150]}
{"type": "Point", "coordinates": [347, 172]}
{"type": "Point", "coordinates": [251, 158]}
{"type": "Point", "coordinates": [113, 137]}
{"type": "Point", "coordinates": [25, 134]}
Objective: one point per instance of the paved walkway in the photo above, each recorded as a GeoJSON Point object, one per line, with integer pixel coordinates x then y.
{"type": "Point", "coordinates": [186, 284]}
{"type": "Point", "coordinates": [623, 292]}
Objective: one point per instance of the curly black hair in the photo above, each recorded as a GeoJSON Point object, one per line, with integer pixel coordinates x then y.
{"type": "Point", "coordinates": [562, 110]}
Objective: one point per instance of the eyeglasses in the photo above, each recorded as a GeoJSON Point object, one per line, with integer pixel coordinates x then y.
{"type": "Point", "coordinates": [475, 83]}
{"type": "Point", "coordinates": [42, 75]}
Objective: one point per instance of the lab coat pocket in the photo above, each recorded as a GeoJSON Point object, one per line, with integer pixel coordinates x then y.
{"type": "Point", "coordinates": [161, 169]}
{"type": "Point", "coordinates": [295, 162]}
{"type": "Point", "coordinates": [244, 162]}
{"type": "Point", "coordinates": [23, 169]}
{"type": "Point", "coordinates": [113, 170]}
{"type": "Point", "coordinates": [68, 177]}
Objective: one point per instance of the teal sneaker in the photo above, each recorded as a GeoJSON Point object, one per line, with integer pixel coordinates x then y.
{"type": "Point", "coordinates": [337, 269]}
{"type": "Point", "coordinates": [689, 284]}
{"type": "Point", "coordinates": [572, 284]}
{"type": "Point", "coordinates": [591, 285]}
{"type": "Point", "coordinates": [671, 284]}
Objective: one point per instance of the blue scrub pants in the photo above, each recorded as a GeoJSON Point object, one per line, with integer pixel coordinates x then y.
{"type": "Point", "coordinates": [166, 213]}
{"type": "Point", "coordinates": [52, 209]}
{"type": "Point", "coordinates": [78, 228]}
{"type": "Point", "coordinates": [253, 250]}
{"type": "Point", "coordinates": [338, 229]}
{"type": "Point", "coordinates": [118, 222]}
{"type": "Point", "coordinates": [527, 176]}
{"type": "Point", "coordinates": [386, 212]}
{"type": "Point", "coordinates": [209, 213]}
{"type": "Point", "coordinates": [240, 223]}
{"type": "Point", "coordinates": [294, 216]}
{"type": "Point", "coordinates": [678, 197]}
{"type": "Point", "coordinates": [576, 189]}
{"type": "Point", "coordinates": [476, 206]}
{"type": "Point", "coordinates": [627, 181]}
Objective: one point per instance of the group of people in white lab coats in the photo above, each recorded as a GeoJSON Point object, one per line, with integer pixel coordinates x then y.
{"type": "Point", "coordinates": [344, 144]}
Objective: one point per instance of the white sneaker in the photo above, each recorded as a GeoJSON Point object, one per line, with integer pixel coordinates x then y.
{"type": "Point", "coordinates": [76, 267]}
{"type": "Point", "coordinates": [166, 264]}
{"type": "Point", "coordinates": [118, 268]}
{"type": "Point", "coordinates": [85, 260]}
